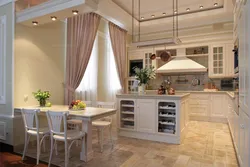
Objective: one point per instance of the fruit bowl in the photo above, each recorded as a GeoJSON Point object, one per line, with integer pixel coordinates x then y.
{"type": "Point", "coordinates": [77, 105]}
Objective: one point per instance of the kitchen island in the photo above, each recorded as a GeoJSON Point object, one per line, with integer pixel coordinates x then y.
{"type": "Point", "coordinates": [153, 117]}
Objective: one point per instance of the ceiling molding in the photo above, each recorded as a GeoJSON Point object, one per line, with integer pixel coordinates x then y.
{"type": "Point", "coordinates": [4, 2]}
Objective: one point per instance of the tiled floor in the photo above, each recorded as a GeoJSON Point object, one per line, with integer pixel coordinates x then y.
{"type": "Point", "coordinates": [206, 145]}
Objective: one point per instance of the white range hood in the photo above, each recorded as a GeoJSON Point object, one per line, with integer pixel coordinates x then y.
{"type": "Point", "coordinates": [181, 64]}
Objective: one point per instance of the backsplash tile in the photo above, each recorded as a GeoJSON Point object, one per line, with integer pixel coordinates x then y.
{"type": "Point", "coordinates": [155, 84]}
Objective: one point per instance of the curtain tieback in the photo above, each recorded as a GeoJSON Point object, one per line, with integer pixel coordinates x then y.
{"type": "Point", "coordinates": [70, 89]}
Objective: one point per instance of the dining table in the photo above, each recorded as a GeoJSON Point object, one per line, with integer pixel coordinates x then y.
{"type": "Point", "coordinates": [87, 115]}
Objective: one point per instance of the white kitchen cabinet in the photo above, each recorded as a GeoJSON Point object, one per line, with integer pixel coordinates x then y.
{"type": "Point", "coordinates": [147, 53]}
{"type": "Point", "coordinates": [131, 85]}
{"type": "Point", "coordinates": [135, 54]}
{"type": "Point", "coordinates": [221, 61]}
{"type": "Point", "coordinates": [146, 115]}
{"type": "Point", "coordinates": [198, 110]}
{"type": "Point", "coordinates": [199, 105]}
{"type": "Point", "coordinates": [217, 107]}
{"type": "Point", "coordinates": [244, 69]}
{"type": "Point", "coordinates": [244, 139]}
{"type": "Point", "coordinates": [217, 61]}
{"type": "Point", "coordinates": [229, 60]}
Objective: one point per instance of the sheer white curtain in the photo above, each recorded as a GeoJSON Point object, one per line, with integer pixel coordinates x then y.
{"type": "Point", "coordinates": [113, 85]}
{"type": "Point", "coordinates": [87, 90]}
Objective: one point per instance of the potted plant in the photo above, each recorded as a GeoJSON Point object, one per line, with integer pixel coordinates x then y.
{"type": "Point", "coordinates": [42, 96]}
{"type": "Point", "coordinates": [144, 75]}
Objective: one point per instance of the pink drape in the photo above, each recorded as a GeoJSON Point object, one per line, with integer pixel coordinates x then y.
{"type": "Point", "coordinates": [118, 39]}
{"type": "Point", "coordinates": [81, 33]}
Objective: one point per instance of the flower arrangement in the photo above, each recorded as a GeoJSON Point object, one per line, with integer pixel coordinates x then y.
{"type": "Point", "coordinates": [144, 75]}
{"type": "Point", "coordinates": [77, 105]}
{"type": "Point", "coordinates": [42, 96]}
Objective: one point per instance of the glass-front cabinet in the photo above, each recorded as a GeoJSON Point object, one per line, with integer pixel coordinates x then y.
{"type": "Point", "coordinates": [217, 61]}
{"type": "Point", "coordinates": [148, 61]}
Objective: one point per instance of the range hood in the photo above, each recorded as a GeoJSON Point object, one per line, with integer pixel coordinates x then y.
{"type": "Point", "coordinates": [181, 64]}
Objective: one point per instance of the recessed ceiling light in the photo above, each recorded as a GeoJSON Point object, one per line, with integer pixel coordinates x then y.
{"type": "Point", "coordinates": [152, 16]}
{"type": "Point", "coordinates": [201, 7]}
{"type": "Point", "coordinates": [35, 23]}
{"type": "Point", "coordinates": [164, 14]}
{"type": "Point", "coordinates": [142, 18]}
{"type": "Point", "coordinates": [75, 12]}
{"type": "Point", "coordinates": [175, 12]}
{"type": "Point", "coordinates": [215, 4]}
{"type": "Point", "coordinates": [188, 9]}
{"type": "Point", "coordinates": [53, 18]}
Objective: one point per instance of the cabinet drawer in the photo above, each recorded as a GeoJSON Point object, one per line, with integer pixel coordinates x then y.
{"type": "Point", "coordinates": [200, 96]}
{"type": "Point", "coordinates": [198, 102]}
{"type": "Point", "coordinates": [198, 110]}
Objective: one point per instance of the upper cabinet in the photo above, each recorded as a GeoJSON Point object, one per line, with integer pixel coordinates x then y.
{"type": "Point", "coordinates": [221, 61]}
{"type": "Point", "coordinates": [146, 56]}
{"type": "Point", "coordinates": [217, 61]}
{"type": "Point", "coordinates": [244, 70]}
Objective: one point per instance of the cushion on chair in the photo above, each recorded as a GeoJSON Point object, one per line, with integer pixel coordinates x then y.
{"type": "Point", "coordinates": [42, 131]}
{"type": "Point", "coordinates": [71, 135]}
{"type": "Point", "coordinates": [100, 123]}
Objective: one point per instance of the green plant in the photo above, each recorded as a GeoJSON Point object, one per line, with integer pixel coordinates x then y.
{"type": "Point", "coordinates": [41, 95]}
{"type": "Point", "coordinates": [144, 75]}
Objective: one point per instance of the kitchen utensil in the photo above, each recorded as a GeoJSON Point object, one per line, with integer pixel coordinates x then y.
{"type": "Point", "coordinates": [165, 55]}
{"type": "Point", "coordinates": [195, 82]}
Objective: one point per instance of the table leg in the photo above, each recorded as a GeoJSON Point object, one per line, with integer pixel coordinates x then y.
{"type": "Point", "coordinates": [87, 152]}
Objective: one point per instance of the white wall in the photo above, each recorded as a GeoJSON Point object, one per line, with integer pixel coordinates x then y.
{"type": "Point", "coordinates": [39, 62]}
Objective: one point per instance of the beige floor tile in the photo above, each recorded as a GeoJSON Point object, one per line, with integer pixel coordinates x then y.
{"type": "Point", "coordinates": [205, 145]}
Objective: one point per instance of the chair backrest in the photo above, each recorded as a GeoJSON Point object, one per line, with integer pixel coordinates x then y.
{"type": "Point", "coordinates": [55, 120]}
{"type": "Point", "coordinates": [101, 104]}
{"type": "Point", "coordinates": [29, 115]}
{"type": "Point", "coordinates": [88, 103]}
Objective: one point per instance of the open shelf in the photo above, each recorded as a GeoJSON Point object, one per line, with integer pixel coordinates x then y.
{"type": "Point", "coordinates": [198, 55]}
{"type": "Point", "coordinates": [166, 117]}
{"type": "Point", "coordinates": [127, 115]}
{"type": "Point", "coordinates": [127, 112]}
{"type": "Point", "coordinates": [127, 105]}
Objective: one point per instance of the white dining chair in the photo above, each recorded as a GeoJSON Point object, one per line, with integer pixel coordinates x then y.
{"type": "Point", "coordinates": [32, 129]}
{"type": "Point", "coordinates": [106, 122]}
{"type": "Point", "coordinates": [76, 123]}
{"type": "Point", "coordinates": [55, 120]}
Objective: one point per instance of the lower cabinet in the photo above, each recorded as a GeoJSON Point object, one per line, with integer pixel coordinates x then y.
{"type": "Point", "coordinates": [208, 106]}
{"type": "Point", "coordinates": [146, 115]}
{"type": "Point", "coordinates": [198, 110]}
{"type": "Point", "coordinates": [218, 106]}
{"type": "Point", "coordinates": [244, 148]}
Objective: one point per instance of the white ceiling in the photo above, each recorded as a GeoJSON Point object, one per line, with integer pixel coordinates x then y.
{"type": "Point", "coordinates": [157, 7]}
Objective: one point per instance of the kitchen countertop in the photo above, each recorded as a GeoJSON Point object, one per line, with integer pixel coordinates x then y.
{"type": "Point", "coordinates": [229, 93]}
{"type": "Point", "coordinates": [150, 95]}
{"type": "Point", "coordinates": [89, 113]}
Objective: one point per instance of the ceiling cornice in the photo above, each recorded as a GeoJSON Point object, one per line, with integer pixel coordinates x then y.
{"type": "Point", "coordinates": [4, 2]}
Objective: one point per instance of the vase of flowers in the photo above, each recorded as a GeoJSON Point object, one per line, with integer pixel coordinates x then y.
{"type": "Point", "coordinates": [42, 96]}
{"type": "Point", "coordinates": [144, 75]}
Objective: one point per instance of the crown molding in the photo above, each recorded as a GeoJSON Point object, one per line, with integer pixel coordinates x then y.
{"type": "Point", "coordinates": [4, 2]}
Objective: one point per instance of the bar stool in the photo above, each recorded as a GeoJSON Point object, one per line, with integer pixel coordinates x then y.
{"type": "Point", "coordinates": [106, 122]}
{"type": "Point", "coordinates": [29, 115]}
